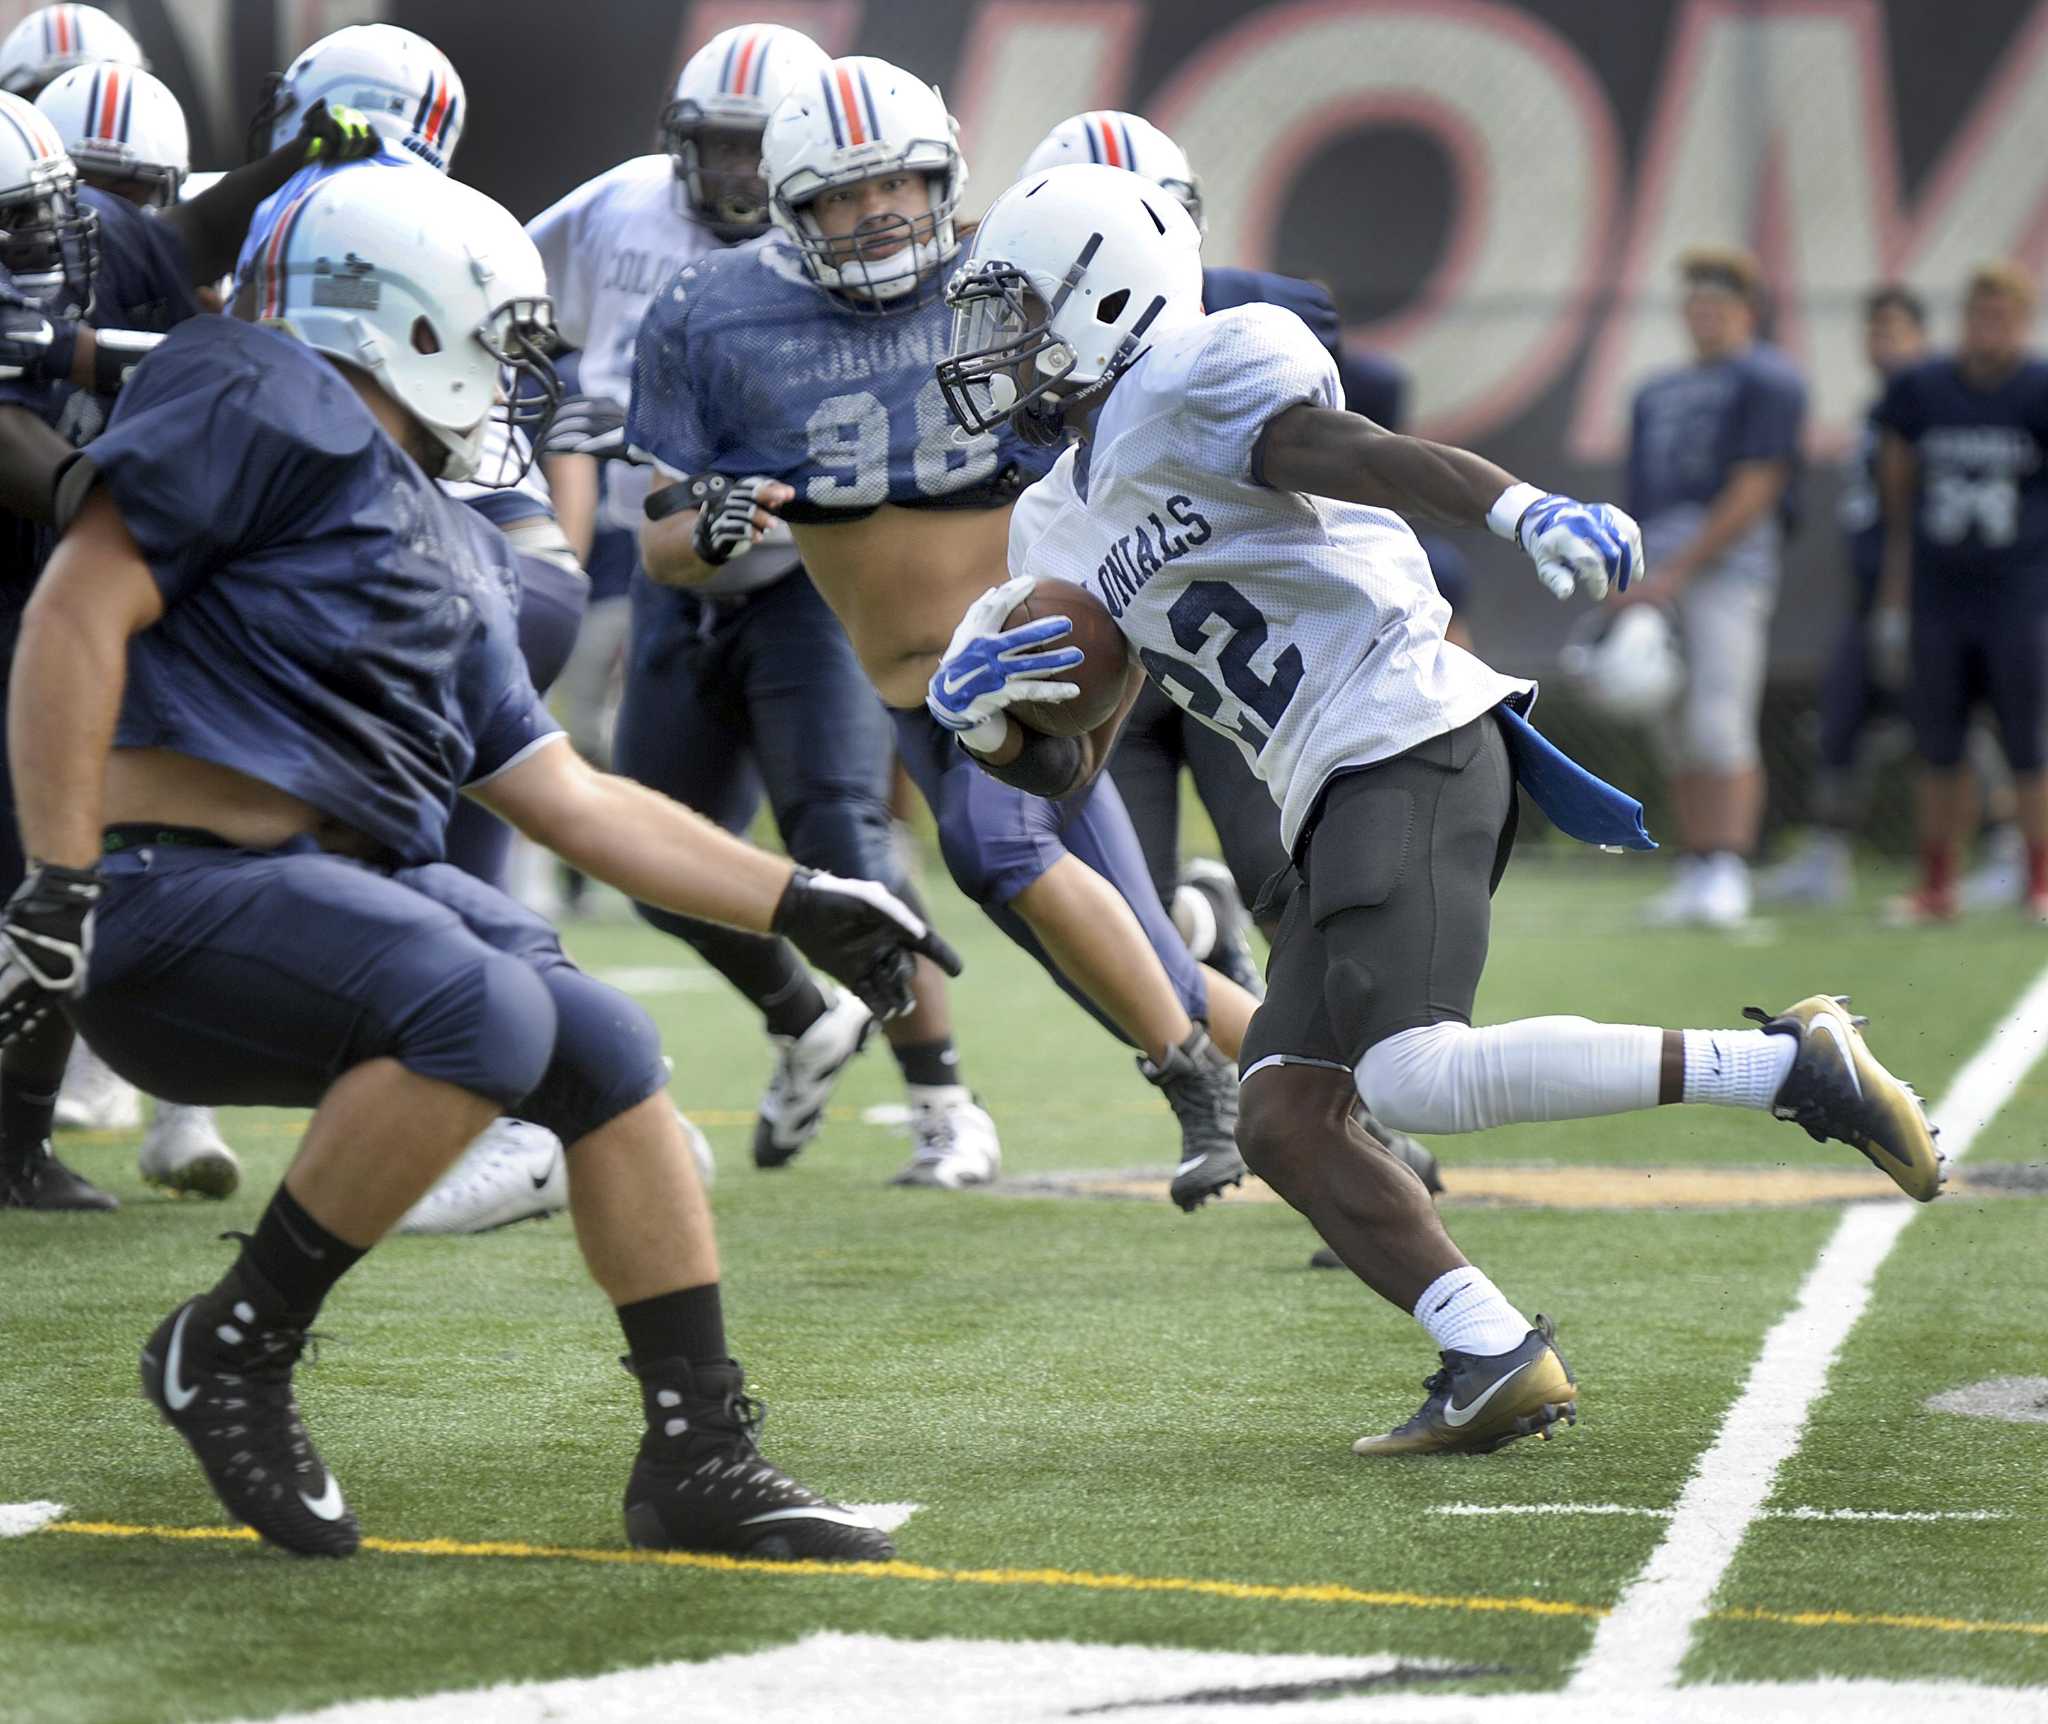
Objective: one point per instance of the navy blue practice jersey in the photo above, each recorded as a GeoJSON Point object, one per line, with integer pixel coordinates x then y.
{"type": "Point", "coordinates": [140, 284]}
{"type": "Point", "coordinates": [1693, 425]}
{"type": "Point", "coordinates": [333, 624]}
{"type": "Point", "coordinates": [1982, 509]}
{"type": "Point", "coordinates": [746, 366]}
{"type": "Point", "coordinates": [1858, 513]}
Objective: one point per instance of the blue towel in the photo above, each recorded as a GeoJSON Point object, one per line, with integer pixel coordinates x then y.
{"type": "Point", "coordinates": [1576, 803]}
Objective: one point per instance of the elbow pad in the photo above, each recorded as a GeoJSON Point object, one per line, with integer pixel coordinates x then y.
{"type": "Point", "coordinates": [1049, 766]}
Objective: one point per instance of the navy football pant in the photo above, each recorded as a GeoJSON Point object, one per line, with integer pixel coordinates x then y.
{"type": "Point", "coordinates": [257, 978]}
{"type": "Point", "coordinates": [551, 603]}
{"type": "Point", "coordinates": [1982, 639]}
{"type": "Point", "coordinates": [998, 840]}
{"type": "Point", "coordinates": [728, 700]}
{"type": "Point", "coordinates": [1157, 741]}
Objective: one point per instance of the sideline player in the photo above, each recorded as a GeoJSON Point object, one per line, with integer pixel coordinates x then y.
{"type": "Point", "coordinates": [1243, 533]}
{"type": "Point", "coordinates": [70, 248]}
{"type": "Point", "coordinates": [1821, 871]}
{"type": "Point", "coordinates": [1962, 472]}
{"type": "Point", "coordinates": [745, 684]}
{"type": "Point", "coordinates": [792, 378]}
{"type": "Point", "coordinates": [215, 769]}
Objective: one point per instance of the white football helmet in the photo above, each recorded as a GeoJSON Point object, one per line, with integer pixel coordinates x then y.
{"type": "Point", "coordinates": [49, 243]}
{"type": "Point", "coordinates": [1069, 270]}
{"type": "Point", "coordinates": [402, 84]}
{"type": "Point", "coordinates": [729, 88]}
{"type": "Point", "coordinates": [1119, 140]}
{"type": "Point", "coordinates": [121, 123]}
{"type": "Point", "coordinates": [53, 39]}
{"type": "Point", "coordinates": [1626, 664]}
{"type": "Point", "coordinates": [438, 295]}
{"type": "Point", "coordinates": [860, 119]}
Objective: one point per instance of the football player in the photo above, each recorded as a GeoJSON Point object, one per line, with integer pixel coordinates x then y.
{"type": "Point", "coordinates": [1244, 533]}
{"type": "Point", "coordinates": [266, 656]}
{"type": "Point", "coordinates": [73, 251]}
{"type": "Point", "coordinates": [53, 39]}
{"type": "Point", "coordinates": [791, 379]}
{"type": "Point", "coordinates": [413, 98]}
{"type": "Point", "coordinates": [745, 684]}
{"type": "Point", "coordinates": [1962, 472]}
{"type": "Point", "coordinates": [124, 131]}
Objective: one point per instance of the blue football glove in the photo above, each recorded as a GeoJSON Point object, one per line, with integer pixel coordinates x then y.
{"type": "Point", "coordinates": [988, 667]}
{"type": "Point", "coordinates": [1581, 547]}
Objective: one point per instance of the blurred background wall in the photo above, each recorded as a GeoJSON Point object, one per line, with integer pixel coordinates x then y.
{"type": "Point", "coordinates": [1494, 192]}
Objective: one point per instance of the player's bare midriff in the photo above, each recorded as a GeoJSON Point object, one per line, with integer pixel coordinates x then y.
{"type": "Point", "coordinates": [158, 787]}
{"type": "Point", "coordinates": [899, 581]}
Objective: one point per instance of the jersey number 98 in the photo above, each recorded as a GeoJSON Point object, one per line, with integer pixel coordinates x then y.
{"type": "Point", "coordinates": [850, 436]}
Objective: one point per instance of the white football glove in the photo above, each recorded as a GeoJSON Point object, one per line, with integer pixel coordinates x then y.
{"type": "Point", "coordinates": [988, 668]}
{"type": "Point", "coordinates": [1587, 548]}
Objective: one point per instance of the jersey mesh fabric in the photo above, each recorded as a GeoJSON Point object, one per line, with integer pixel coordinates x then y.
{"type": "Point", "coordinates": [1309, 631]}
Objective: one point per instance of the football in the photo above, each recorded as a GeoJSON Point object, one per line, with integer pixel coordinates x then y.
{"type": "Point", "coordinates": [1100, 672]}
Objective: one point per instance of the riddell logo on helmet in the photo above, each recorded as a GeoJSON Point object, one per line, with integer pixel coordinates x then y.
{"type": "Point", "coordinates": [374, 98]}
{"type": "Point", "coordinates": [349, 285]}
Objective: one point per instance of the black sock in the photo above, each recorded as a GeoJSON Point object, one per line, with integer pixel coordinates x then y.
{"type": "Point", "coordinates": [797, 1006]}
{"type": "Point", "coordinates": [25, 1119]}
{"type": "Point", "coordinates": [297, 1257]}
{"type": "Point", "coordinates": [687, 1325]}
{"type": "Point", "coordinates": [931, 1065]}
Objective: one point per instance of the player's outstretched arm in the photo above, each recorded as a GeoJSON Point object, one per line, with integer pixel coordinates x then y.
{"type": "Point", "coordinates": [1583, 547]}
{"type": "Point", "coordinates": [658, 852]}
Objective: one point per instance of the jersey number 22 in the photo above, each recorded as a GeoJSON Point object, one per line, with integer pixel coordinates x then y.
{"type": "Point", "coordinates": [1243, 635]}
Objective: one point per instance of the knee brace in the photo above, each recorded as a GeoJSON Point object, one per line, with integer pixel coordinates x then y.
{"type": "Point", "coordinates": [607, 1057]}
{"type": "Point", "coordinates": [489, 1029]}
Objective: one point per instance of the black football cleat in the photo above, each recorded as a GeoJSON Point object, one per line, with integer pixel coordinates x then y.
{"type": "Point", "coordinates": [41, 1181]}
{"type": "Point", "coordinates": [1836, 1089]}
{"type": "Point", "coordinates": [700, 1483]}
{"type": "Point", "coordinates": [1480, 1402]}
{"type": "Point", "coordinates": [1200, 1084]}
{"type": "Point", "coordinates": [222, 1379]}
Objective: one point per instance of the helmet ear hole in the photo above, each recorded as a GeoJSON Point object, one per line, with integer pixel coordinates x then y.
{"type": "Point", "coordinates": [424, 337]}
{"type": "Point", "coordinates": [1111, 306]}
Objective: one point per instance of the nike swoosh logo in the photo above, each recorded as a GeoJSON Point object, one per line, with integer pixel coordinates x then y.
{"type": "Point", "coordinates": [540, 1179]}
{"type": "Point", "coordinates": [176, 1396]}
{"type": "Point", "coordinates": [1834, 1031]}
{"type": "Point", "coordinates": [1191, 1162]}
{"type": "Point", "coordinates": [837, 1516]}
{"type": "Point", "coordinates": [328, 1504]}
{"type": "Point", "coordinates": [1456, 1417]}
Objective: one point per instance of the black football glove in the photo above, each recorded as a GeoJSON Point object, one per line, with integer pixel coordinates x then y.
{"type": "Point", "coordinates": [336, 134]}
{"type": "Point", "coordinates": [45, 944]}
{"type": "Point", "coordinates": [588, 425]}
{"type": "Point", "coordinates": [860, 934]}
{"type": "Point", "coordinates": [726, 527]}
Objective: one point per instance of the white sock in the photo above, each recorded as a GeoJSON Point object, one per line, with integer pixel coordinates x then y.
{"type": "Point", "coordinates": [1736, 1068]}
{"type": "Point", "coordinates": [1465, 1312]}
{"type": "Point", "coordinates": [1451, 1077]}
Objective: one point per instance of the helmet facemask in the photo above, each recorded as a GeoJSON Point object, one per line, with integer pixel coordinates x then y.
{"type": "Point", "coordinates": [731, 202]}
{"type": "Point", "coordinates": [1003, 330]}
{"type": "Point", "coordinates": [278, 103]}
{"type": "Point", "coordinates": [520, 336]}
{"type": "Point", "coordinates": [918, 247]}
{"type": "Point", "coordinates": [49, 244]}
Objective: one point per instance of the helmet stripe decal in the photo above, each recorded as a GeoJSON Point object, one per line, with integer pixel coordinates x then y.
{"type": "Point", "coordinates": [761, 65]}
{"type": "Point", "coordinates": [831, 109]}
{"type": "Point", "coordinates": [853, 126]}
{"type": "Point", "coordinates": [1109, 154]}
{"type": "Point", "coordinates": [34, 143]}
{"type": "Point", "coordinates": [110, 103]}
{"type": "Point", "coordinates": [867, 96]}
{"type": "Point", "coordinates": [1088, 132]}
{"type": "Point", "coordinates": [127, 108]}
{"type": "Point", "coordinates": [746, 65]}
{"type": "Point", "coordinates": [438, 117]}
{"type": "Point", "coordinates": [63, 26]}
{"type": "Point", "coordinates": [419, 114]}
{"type": "Point", "coordinates": [1130, 155]}
{"type": "Point", "coordinates": [732, 48]}
{"type": "Point", "coordinates": [274, 250]}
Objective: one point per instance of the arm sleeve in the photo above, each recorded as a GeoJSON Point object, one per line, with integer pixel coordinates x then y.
{"type": "Point", "coordinates": [1256, 363]}
{"type": "Point", "coordinates": [257, 477]}
{"type": "Point", "coordinates": [664, 417]}
{"type": "Point", "coordinates": [1772, 415]}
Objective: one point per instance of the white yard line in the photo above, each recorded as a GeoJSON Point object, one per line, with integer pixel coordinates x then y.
{"type": "Point", "coordinates": [1477, 1510]}
{"type": "Point", "coordinates": [1640, 1647]}
{"type": "Point", "coordinates": [18, 1520]}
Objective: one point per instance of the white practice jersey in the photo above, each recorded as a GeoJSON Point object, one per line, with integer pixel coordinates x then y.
{"type": "Point", "coordinates": [610, 246]}
{"type": "Point", "coordinates": [1308, 631]}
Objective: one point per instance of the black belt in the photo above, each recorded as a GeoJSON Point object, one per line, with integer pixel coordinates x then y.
{"type": "Point", "coordinates": [139, 834]}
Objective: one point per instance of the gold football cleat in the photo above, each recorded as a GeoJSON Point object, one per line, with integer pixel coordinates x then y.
{"type": "Point", "coordinates": [1480, 1402]}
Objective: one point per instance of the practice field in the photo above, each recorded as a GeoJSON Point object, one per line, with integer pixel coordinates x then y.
{"type": "Point", "coordinates": [1127, 1431]}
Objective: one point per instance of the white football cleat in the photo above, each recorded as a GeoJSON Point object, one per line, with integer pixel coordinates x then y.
{"type": "Point", "coordinates": [1678, 905]}
{"type": "Point", "coordinates": [513, 1171]}
{"type": "Point", "coordinates": [183, 1151]}
{"type": "Point", "coordinates": [1819, 874]}
{"type": "Point", "coordinates": [807, 1066]}
{"type": "Point", "coordinates": [95, 1097]}
{"type": "Point", "coordinates": [2000, 880]}
{"type": "Point", "coordinates": [955, 1140]}
{"type": "Point", "coordinates": [1724, 892]}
